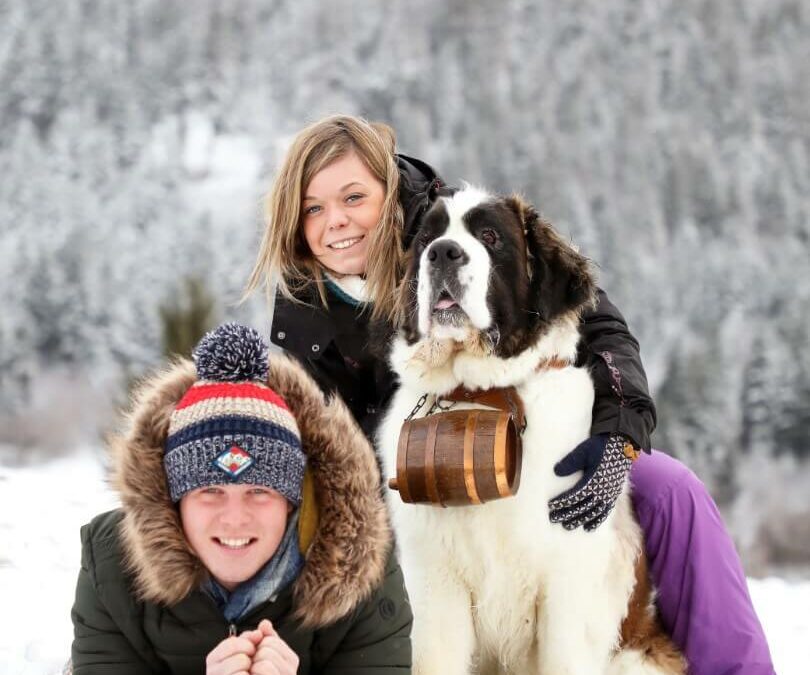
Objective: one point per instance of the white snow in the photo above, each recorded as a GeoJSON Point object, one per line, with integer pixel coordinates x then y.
{"type": "Point", "coordinates": [784, 610]}
{"type": "Point", "coordinates": [42, 507]}
{"type": "Point", "coordinates": [44, 504]}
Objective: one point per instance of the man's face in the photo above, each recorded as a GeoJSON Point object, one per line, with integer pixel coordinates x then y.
{"type": "Point", "coordinates": [234, 529]}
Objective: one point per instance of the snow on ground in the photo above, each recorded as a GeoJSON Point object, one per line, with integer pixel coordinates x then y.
{"type": "Point", "coordinates": [41, 509]}
{"type": "Point", "coordinates": [43, 505]}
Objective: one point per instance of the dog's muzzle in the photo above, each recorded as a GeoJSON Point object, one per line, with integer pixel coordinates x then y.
{"type": "Point", "coordinates": [445, 258]}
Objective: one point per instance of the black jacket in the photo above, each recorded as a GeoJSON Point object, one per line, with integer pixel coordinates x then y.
{"type": "Point", "coordinates": [334, 344]}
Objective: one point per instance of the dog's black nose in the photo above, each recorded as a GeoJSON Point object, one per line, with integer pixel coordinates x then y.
{"type": "Point", "coordinates": [447, 251]}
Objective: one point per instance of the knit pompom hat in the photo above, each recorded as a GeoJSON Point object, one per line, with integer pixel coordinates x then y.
{"type": "Point", "coordinates": [230, 427]}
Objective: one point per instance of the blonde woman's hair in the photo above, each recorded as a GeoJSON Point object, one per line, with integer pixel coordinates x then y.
{"type": "Point", "coordinates": [284, 258]}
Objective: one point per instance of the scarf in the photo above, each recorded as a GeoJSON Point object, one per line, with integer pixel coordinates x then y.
{"type": "Point", "coordinates": [265, 585]}
{"type": "Point", "coordinates": [350, 288]}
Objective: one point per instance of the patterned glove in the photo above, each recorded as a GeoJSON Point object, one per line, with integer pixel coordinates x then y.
{"type": "Point", "coordinates": [604, 461]}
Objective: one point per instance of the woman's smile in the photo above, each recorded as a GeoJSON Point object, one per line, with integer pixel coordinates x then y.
{"type": "Point", "coordinates": [345, 243]}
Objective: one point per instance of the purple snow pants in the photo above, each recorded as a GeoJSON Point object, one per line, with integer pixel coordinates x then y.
{"type": "Point", "coordinates": [702, 593]}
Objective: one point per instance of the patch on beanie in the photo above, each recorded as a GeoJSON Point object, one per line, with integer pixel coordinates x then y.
{"type": "Point", "coordinates": [234, 462]}
{"type": "Point", "coordinates": [231, 353]}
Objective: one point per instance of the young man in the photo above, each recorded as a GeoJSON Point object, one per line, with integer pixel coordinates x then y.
{"type": "Point", "coordinates": [252, 537]}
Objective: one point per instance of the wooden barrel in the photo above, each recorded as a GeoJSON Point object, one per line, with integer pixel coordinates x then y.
{"type": "Point", "coordinates": [458, 457]}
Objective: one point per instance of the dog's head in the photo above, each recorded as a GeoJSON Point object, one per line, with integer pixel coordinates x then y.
{"type": "Point", "coordinates": [489, 270]}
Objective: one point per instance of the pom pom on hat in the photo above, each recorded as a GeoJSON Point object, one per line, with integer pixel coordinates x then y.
{"type": "Point", "coordinates": [231, 353]}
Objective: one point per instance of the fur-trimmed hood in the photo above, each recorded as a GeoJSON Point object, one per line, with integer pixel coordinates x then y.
{"type": "Point", "coordinates": [346, 559]}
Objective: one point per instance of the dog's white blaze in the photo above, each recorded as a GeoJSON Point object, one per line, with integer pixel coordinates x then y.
{"type": "Point", "coordinates": [473, 276]}
{"type": "Point", "coordinates": [465, 199]}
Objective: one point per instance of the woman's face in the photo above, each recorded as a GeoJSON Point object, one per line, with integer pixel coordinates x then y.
{"type": "Point", "coordinates": [341, 208]}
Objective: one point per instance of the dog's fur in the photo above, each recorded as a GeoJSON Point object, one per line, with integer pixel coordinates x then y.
{"type": "Point", "coordinates": [497, 588]}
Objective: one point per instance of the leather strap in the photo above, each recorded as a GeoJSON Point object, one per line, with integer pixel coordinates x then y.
{"type": "Point", "coordinates": [503, 398]}
{"type": "Point", "coordinates": [554, 363]}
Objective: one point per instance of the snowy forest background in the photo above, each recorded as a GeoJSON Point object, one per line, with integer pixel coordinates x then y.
{"type": "Point", "coordinates": [670, 139]}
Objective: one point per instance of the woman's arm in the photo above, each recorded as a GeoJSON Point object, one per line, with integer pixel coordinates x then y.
{"type": "Point", "coordinates": [622, 411]}
{"type": "Point", "coordinates": [623, 403]}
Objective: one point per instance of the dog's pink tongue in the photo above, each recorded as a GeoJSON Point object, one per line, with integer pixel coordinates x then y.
{"type": "Point", "coordinates": [445, 303]}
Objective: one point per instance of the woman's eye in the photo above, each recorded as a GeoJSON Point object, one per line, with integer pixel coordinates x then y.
{"type": "Point", "coordinates": [310, 210]}
{"type": "Point", "coordinates": [489, 237]}
{"type": "Point", "coordinates": [355, 196]}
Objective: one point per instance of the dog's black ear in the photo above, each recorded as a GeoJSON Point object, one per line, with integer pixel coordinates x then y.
{"type": "Point", "coordinates": [561, 278]}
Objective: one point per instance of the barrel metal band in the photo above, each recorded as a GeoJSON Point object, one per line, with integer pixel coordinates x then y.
{"type": "Point", "coordinates": [469, 458]}
{"type": "Point", "coordinates": [499, 457]}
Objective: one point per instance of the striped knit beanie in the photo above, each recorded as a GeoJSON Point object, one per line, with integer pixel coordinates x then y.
{"type": "Point", "coordinates": [230, 427]}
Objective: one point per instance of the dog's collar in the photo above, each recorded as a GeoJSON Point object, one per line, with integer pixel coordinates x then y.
{"type": "Point", "coordinates": [552, 363]}
{"type": "Point", "coordinates": [501, 398]}
{"type": "Point", "coordinates": [504, 398]}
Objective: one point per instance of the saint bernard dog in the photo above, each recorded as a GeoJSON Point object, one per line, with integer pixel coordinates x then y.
{"type": "Point", "coordinates": [493, 294]}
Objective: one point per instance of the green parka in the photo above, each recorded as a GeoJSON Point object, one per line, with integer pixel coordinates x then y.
{"type": "Point", "coordinates": [138, 606]}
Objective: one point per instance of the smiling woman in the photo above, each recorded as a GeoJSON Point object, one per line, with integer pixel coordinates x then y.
{"type": "Point", "coordinates": [334, 209]}
{"type": "Point", "coordinates": [342, 207]}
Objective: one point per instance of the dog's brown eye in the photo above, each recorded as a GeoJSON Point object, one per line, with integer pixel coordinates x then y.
{"type": "Point", "coordinates": [489, 237]}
